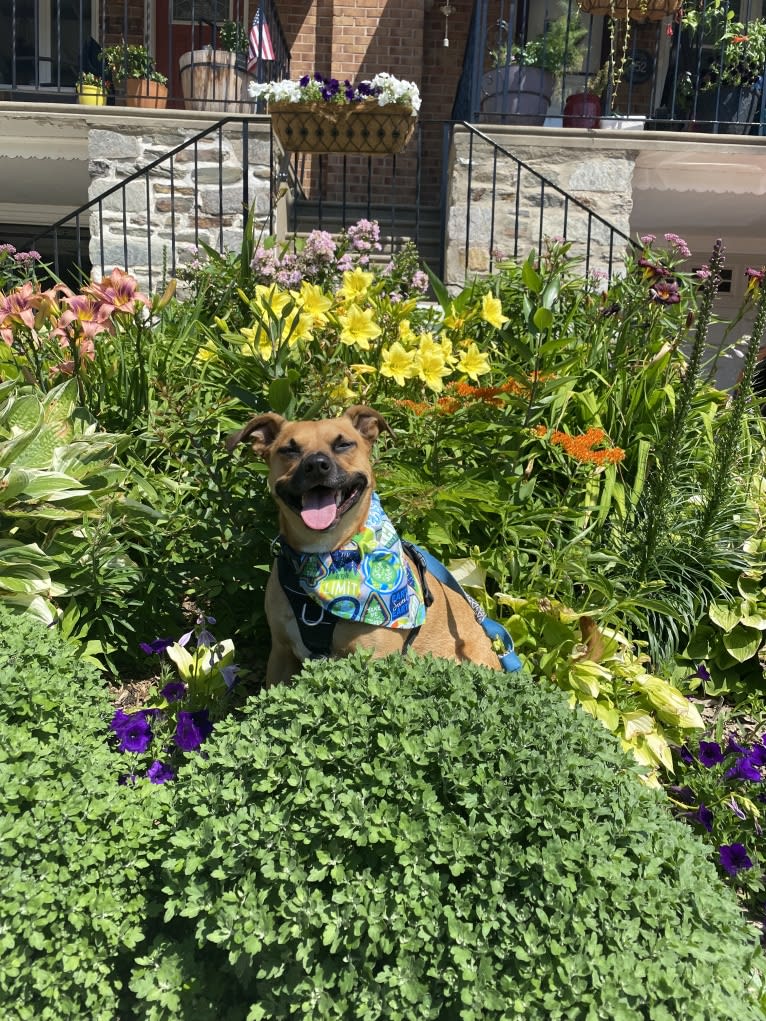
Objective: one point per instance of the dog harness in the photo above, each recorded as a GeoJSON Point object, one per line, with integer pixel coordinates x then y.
{"type": "Point", "coordinates": [370, 580]}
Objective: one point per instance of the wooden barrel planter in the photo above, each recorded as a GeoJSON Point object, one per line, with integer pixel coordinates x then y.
{"type": "Point", "coordinates": [320, 127]}
{"type": "Point", "coordinates": [635, 10]}
{"type": "Point", "coordinates": [211, 80]}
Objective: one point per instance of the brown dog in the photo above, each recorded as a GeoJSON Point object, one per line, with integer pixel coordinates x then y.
{"type": "Point", "coordinates": [321, 479]}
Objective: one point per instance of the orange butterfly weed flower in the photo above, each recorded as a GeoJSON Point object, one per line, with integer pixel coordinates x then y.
{"type": "Point", "coordinates": [581, 448]}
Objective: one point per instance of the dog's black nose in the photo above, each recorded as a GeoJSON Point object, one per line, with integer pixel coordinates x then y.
{"type": "Point", "coordinates": [317, 465]}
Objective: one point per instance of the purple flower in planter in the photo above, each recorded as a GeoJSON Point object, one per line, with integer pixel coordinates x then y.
{"type": "Point", "coordinates": [685, 755]}
{"type": "Point", "coordinates": [734, 858]}
{"type": "Point", "coordinates": [710, 753]}
{"type": "Point", "coordinates": [158, 772]}
{"type": "Point", "coordinates": [132, 730]}
{"type": "Point", "coordinates": [192, 729]}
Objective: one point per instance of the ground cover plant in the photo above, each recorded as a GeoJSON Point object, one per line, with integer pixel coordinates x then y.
{"type": "Point", "coordinates": [561, 442]}
{"type": "Point", "coordinates": [419, 839]}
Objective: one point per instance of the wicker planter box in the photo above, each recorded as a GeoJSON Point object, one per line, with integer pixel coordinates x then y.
{"type": "Point", "coordinates": [353, 128]}
{"type": "Point", "coordinates": [651, 10]}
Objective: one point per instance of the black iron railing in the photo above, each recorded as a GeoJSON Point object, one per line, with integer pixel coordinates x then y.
{"type": "Point", "coordinates": [519, 210]}
{"type": "Point", "coordinates": [153, 222]}
{"type": "Point", "coordinates": [206, 49]}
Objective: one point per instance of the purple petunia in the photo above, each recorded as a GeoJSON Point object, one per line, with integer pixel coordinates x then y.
{"type": "Point", "coordinates": [757, 755]}
{"type": "Point", "coordinates": [158, 772]}
{"type": "Point", "coordinates": [685, 755]}
{"type": "Point", "coordinates": [132, 730]}
{"type": "Point", "coordinates": [192, 729]}
{"type": "Point", "coordinates": [174, 691]}
{"type": "Point", "coordinates": [703, 816]}
{"type": "Point", "coordinates": [710, 753]}
{"type": "Point", "coordinates": [155, 647]}
{"type": "Point", "coordinates": [734, 858]}
{"type": "Point", "coordinates": [744, 769]}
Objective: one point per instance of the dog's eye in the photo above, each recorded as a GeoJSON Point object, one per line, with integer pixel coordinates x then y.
{"type": "Point", "coordinates": [342, 445]}
{"type": "Point", "coordinates": [290, 449]}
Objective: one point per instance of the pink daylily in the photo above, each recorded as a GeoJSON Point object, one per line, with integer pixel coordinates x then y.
{"type": "Point", "coordinates": [84, 315]}
{"type": "Point", "coordinates": [19, 306]}
{"type": "Point", "coordinates": [118, 292]}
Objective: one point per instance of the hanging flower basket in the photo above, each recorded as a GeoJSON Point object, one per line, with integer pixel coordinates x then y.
{"type": "Point", "coordinates": [635, 10]}
{"type": "Point", "coordinates": [321, 127]}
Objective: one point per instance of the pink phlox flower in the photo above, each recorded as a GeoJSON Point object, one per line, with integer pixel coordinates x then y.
{"type": "Point", "coordinates": [118, 292]}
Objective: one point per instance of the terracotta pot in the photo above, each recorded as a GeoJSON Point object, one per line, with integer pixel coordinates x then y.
{"type": "Point", "coordinates": [518, 95]}
{"type": "Point", "coordinates": [582, 110]}
{"type": "Point", "coordinates": [635, 10]}
{"type": "Point", "coordinates": [144, 93]}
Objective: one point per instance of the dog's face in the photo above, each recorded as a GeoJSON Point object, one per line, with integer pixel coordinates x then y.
{"type": "Point", "coordinates": [319, 473]}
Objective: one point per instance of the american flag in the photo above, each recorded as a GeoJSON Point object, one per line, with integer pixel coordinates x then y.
{"type": "Point", "coordinates": [260, 42]}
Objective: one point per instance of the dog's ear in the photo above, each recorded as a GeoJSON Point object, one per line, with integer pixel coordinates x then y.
{"type": "Point", "coordinates": [368, 422]}
{"type": "Point", "coordinates": [260, 432]}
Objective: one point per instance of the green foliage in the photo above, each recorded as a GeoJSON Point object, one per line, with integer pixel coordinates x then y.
{"type": "Point", "coordinates": [62, 495]}
{"type": "Point", "coordinates": [605, 676]}
{"type": "Point", "coordinates": [76, 848]}
{"type": "Point", "coordinates": [410, 838]}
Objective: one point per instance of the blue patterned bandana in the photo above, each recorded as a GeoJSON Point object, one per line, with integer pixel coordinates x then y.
{"type": "Point", "coordinates": [368, 579]}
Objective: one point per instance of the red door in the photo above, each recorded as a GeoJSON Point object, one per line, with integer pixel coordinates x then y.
{"type": "Point", "coordinates": [184, 25]}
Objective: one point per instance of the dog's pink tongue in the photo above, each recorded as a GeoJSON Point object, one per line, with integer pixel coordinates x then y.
{"type": "Point", "coordinates": [319, 509]}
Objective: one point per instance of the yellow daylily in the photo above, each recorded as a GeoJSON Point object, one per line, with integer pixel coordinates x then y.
{"type": "Point", "coordinates": [398, 364]}
{"type": "Point", "coordinates": [208, 352]}
{"type": "Point", "coordinates": [453, 321]}
{"type": "Point", "coordinates": [406, 334]}
{"type": "Point", "coordinates": [342, 392]}
{"type": "Point", "coordinates": [314, 302]}
{"type": "Point", "coordinates": [356, 283]}
{"type": "Point", "coordinates": [358, 328]}
{"type": "Point", "coordinates": [432, 366]}
{"type": "Point", "coordinates": [271, 298]}
{"type": "Point", "coordinates": [360, 369]}
{"type": "Point", "coordinates": [473, 363]}
{"type": "Point", "coordinates": [258, 340]}
{"type": "Point", "coordinates": [492, 311]}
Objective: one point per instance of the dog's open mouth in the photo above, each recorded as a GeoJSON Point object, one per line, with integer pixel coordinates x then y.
{"type": "Point", "coordinates": [321, 507]}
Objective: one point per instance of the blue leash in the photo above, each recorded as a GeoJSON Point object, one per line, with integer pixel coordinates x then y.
{"type": "Point", "coordinates": [494, 631]}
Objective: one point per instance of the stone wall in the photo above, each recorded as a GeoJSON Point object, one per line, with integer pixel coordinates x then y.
{"type": "Point", "coordinates": [201, 194]}
{"type": "Point", "coordinates": [496, 210]}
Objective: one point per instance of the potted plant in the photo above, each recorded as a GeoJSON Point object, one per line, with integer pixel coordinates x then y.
{"type": "Point", "coordinates": [520, 83]}
{"type": "Point", "coordinates": [583, 109]}
{"type": "Point", "coordinates": [135, 74]}
{"type": "Point", "coordinates": [215, 77]}
{"type": "Point", "coordinates": [729, 83]}
{"type": "Point", "coordinates": [317, 114]}
{"type": "Point", "coordinates": [91, 89]}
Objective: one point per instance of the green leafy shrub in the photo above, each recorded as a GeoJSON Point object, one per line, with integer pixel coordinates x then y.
{"type": "Point", "coordinates": [411, 838]}
{"type": "Point", "coordinates": [75, 846]}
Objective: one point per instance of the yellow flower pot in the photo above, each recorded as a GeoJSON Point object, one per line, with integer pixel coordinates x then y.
{"type": "Point", "coordinates": [91, 95]}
